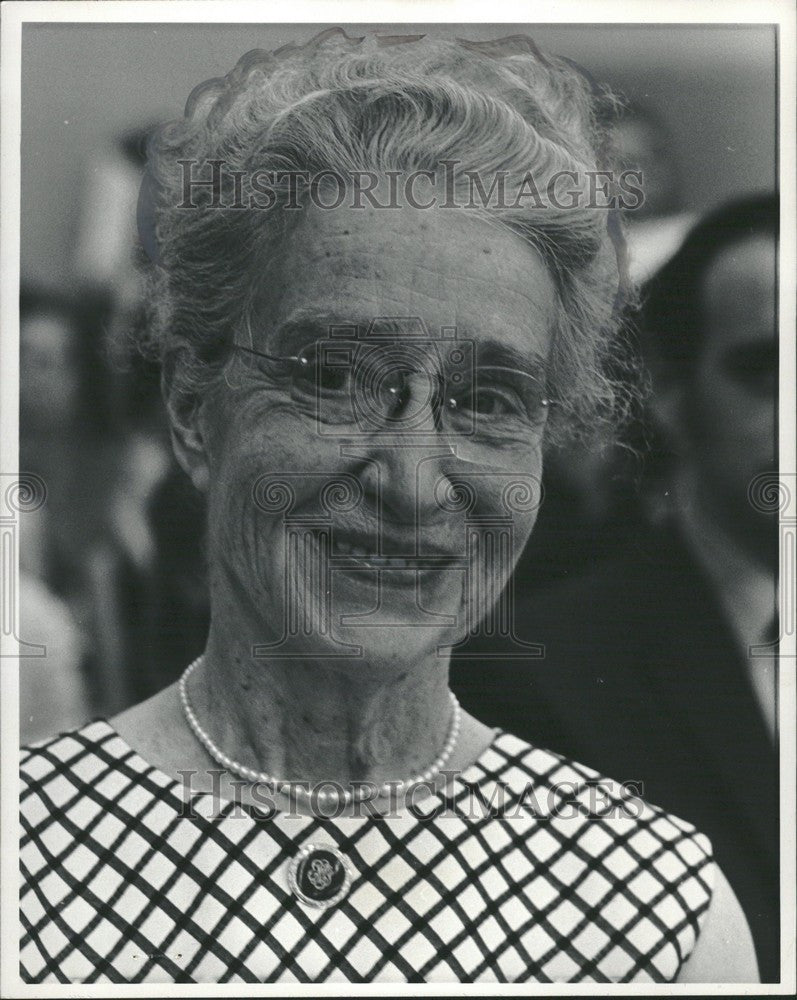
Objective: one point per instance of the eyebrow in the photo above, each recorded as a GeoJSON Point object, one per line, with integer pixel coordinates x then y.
{"type": "Point", "coordinates": [301, 330]}
{"type": "Point", "coordinates": [313, 325]}
{"type": "Point", "coordinates": [306, 326]}
{"type": "Point", "coordinates": [494, 352]}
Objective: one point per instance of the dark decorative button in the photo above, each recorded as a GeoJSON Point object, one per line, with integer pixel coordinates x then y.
{"type": "Point", "coordinates": [319, 875]}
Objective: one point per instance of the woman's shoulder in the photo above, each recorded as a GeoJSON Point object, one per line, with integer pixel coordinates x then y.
{"type": "Point", "coordinates": [67, 747]}
{"type": "Point", "coordinates": [69, 777]}
{"type": "Point", "coordinates": [131, 742]}
{"type": "Point", "coordinates": [635, 867]}
{"type": "Point", "coordinates": [556, 788]}
{"type": "Point", "coordinates": [646, 873]}
{"type": "Point", "coordinates": [559, 786]}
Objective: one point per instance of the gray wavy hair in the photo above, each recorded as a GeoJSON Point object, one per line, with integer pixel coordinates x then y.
{"type": "Point", "coordinates": [402, 103]}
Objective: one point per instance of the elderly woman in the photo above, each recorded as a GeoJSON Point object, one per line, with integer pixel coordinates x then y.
{"type": "Point", "coordinates": [384, 279]}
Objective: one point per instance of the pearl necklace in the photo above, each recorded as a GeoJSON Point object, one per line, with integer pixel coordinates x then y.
{"type": "Point", "coordinates": [322, 795]}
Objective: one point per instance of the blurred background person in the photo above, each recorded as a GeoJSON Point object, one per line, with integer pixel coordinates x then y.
{"type": "Point", "coordinates": [648, 667]}
{"type": "Point", "coordinates": [64, 425]}
{"type": "Point", "coordinates": [644, 142]}
{"type": "Point", "coordinates": [147, 575]}
{"type": "Point", "coordinates": [149, 584]}
{"type": "Point", "coordinates": [60, 443]}
{"type": "Point", "coordinates": [591, 491]}
{"type": "Point", "coordinates": [111, 565]}
{"type": "Point", "coordinates": [54, 689]}
{"type": "Point", "coordinates": [122, 600]}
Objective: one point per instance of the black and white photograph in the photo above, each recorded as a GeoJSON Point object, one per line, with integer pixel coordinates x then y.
{"type": "Point", "coordinates": [399, 498]}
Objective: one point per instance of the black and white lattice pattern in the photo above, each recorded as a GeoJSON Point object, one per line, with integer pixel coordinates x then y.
{"type": "Point", "coordinates": [120, 885]}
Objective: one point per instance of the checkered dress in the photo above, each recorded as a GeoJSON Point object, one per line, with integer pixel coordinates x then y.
{"type": "Point", "coordinates": [523, 870]}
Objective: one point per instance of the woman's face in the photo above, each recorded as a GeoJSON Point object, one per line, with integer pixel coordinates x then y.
{"type": "Point", "coordinates": [346, 575]}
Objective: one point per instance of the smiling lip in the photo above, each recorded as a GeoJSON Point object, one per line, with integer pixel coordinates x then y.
{"type": "Point", "coordinates": [351, 558]}
{"type": "Point", "coordinates": [353, 552]}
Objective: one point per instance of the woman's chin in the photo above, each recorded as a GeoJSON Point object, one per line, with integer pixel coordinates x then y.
{"type": "Point", "coordinates": [389, 622]}
{"type": "Point", "coordinates": [397, 600]}
{"type": "Point", "coordinates": [394, 650]}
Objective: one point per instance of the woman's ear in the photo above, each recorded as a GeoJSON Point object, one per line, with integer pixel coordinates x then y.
{"type": "Point", "coordinates": [189, 441]}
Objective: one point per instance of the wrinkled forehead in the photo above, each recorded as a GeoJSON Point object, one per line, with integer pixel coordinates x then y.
{"type": "Point", "coordinates": [436, 269]}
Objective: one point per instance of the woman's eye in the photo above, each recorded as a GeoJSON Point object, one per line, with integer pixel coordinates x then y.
{"type": "Point", "coordinates": [333, 379]}
{"type": "Point", "coordinates": [313, 372]}
{"type": "Point", "coordinates": [312, 377]}
{"type": "Point", "coordinates": [493, 402]}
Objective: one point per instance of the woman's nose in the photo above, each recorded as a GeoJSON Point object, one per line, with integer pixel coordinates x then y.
{"type": "Point", "coordinates": [403, 478]}
{"type": "Point", "coordinates": [404, 449]}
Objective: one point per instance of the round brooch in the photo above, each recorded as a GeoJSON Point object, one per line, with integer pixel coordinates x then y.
{"type": "Point", "coordinates": [319, 875]}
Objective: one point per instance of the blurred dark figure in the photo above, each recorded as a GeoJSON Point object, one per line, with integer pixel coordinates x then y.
{"type": "Point", "coordinates": [61, 412]}
{"type": "Point", "coordinates": [147, 575]}
{"type": "Point", "coordinates": [112, 573]}
{"type": "Point", "coordinates": [591, 502]}
{"type": "Point", "coordinates": [145, 572]}
{"type": "Point", "coordinates": [177, 516]}
{"type": "Point", "coordinates": [590, 506]}
{"type": "Point", "coordinates": [66, 432]}
{"type": "Point", "coordinates": [648, 670]}
{"type": "Point", "coordinates": [150, 582]}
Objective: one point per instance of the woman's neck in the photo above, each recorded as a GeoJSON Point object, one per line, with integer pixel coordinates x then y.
{"type": "Point", "coordinates": [309, 720]}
